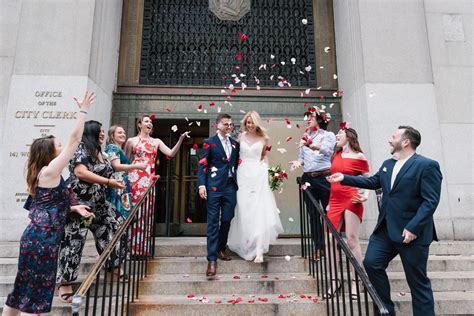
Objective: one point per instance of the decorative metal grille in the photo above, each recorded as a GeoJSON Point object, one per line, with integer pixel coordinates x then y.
{"type": "Point", "coordinates": [184, 44]}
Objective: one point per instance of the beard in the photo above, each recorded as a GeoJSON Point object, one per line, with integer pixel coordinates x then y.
{"type": "Point", "coordinates": [396, 147]}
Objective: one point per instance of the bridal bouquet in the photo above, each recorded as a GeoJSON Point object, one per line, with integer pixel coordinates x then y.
{"type": "Point", "coordinates": [276, 175]}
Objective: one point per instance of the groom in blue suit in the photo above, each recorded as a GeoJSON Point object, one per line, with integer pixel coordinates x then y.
{"type": "Point", "coordinates": [411, 186]}
{"type": "Point", "coordinates": [218, 184]}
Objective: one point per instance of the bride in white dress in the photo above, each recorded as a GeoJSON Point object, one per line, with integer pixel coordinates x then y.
{"type": "Point", "coordinates": [256, 223]}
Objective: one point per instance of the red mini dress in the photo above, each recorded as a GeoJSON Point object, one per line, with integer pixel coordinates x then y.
{"type": "Point", "coordinates": [340, 195]}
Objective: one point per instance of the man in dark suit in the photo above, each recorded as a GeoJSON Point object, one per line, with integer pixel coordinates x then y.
{"type": "Point", "coordinates": [411, 186]}
{"type": "Point", "coordinates": [218, 184]}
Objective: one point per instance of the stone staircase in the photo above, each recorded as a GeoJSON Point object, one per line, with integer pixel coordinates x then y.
{"type": "Point", "coordinates": [176, 284]}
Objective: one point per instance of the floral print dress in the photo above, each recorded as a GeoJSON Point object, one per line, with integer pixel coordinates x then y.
{"type": "Point", "coordinates": [39, 247]}
{"type": "Point", "coordinates": [106, 222]}
{"type": "Point", "coordinates": [120, 198]}
{"type": "Point", "coordinates": [140, 180]}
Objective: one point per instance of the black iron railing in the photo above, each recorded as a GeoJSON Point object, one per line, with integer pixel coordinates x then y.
{"type": "Point", "coordinates": [108, 289]}
{"type": "Point", "coordinates": [340, 280]}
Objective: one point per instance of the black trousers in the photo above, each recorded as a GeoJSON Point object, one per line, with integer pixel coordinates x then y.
{"type": "Point", "coordinates": [319, 187]}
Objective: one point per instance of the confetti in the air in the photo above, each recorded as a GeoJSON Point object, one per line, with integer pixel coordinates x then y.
{"type": "Point", "coordinates": [304, 21]}
{"type": "Point", "coordinates": [174, 128]}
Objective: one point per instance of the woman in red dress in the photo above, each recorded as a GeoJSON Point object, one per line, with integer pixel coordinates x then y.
{"type": "Point", "coordinates": [345, 207]}
{"type": "Point", "coordinates": [144, 149]}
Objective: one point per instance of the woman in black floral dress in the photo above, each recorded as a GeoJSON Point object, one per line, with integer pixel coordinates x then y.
{"type": "Point", "coordinates": [90, 175]}
{"type": "Point", "coordinates": [48, 205]}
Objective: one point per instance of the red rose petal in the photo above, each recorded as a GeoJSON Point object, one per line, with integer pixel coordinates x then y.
{"type": "Point", "coordinates": [195, 147]}
{"type": "Point", "coordinates": [213, 145]}
{"type": "Point", "coordinates": [203, 161]}
{"type": "Point", "coordinates": [263, 299]}
{"type": "Point", "coordinates": [302, 296]}
{"type": "Point", "coordinates": [168, 157]}
{"type": "Point", "coordinates": [190, 295]}
{"type": "Point", "coordinates": [236, 277]}
{"type": "Point", "coordinates": [217, 302]}
{"type": "Point", "coordinates": [189, 220]}
{"type": "Point", "coordinates": [281, 296]}
{"type": "Point", "coordinates": [251, 301]}
{"type": "Point", "coordinates": [212, 104]}
{"type": "Point", "coordinates": [243, 37]}
{"type": "Point", "coordinates": [214, 189]}
{"type": "Point", "coordinates": [268, 148]}
{"type": "Point", "coordinates": [152, 117]}
{"type": "Point", "coordinates": [289, 138]}
{"type": "Point", "coordinates": [168, 109]}
{"type": "Point", "coordinates": [264, 276]}
{"type": "Point", "coordinates": [205, 146]}
{"type": "Point", "coordinates": [199, 106]}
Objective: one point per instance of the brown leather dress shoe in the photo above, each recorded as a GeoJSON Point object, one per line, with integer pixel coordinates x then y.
{"type": "Point", "coordinates": [211, 269]}
{"type": "Point", "coordinates": [223, 256]}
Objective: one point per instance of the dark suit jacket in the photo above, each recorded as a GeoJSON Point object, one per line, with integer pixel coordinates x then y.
{"type": "Point", "coordinates": [213, 155]}
{"type": "Point", "coordinates": [412, 200]}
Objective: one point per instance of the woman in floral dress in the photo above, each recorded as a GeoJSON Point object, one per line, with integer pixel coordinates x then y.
{"type": "Point", "coordinates": [90, 174]}
{"type": "Point", "coordinates": [48, 205]}
{"type": "Point", "coordinates": [143, 149]}
{"type": "Point", "coordinates": [121, 164]}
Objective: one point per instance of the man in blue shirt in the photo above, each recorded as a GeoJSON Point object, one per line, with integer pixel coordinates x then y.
{"type": "Point", "coordinates": [316, 150]}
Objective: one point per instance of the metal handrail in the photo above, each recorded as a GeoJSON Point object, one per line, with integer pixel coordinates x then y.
{"type": "Point", "coordinates": [104, 257]}
{"type": "Point", "coordinates": [360, 274]}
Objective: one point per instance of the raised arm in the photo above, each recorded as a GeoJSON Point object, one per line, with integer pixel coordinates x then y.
{"type": "Point", "coordinates": [57, 165]}
{"type": "Point", "coordinates": [171, 152]}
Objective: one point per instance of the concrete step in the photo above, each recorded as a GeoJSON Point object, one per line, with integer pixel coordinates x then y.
{"type": "Point", "coordinates": [440, 263]}
{"type": "Point", "coordinates": [197, 265]}
{"type": "Point", "coordinates": [247, 283]}
{"type": "Point", "coordinates": [196, 247]}
{"type": "Point", "coordinates": [440, 281]}
{"type": "Point", "coordinates": [60, 308]}
{"type": "Point", "coordinates": [9, 266]}
{"type": "Point", "coordinates": [230, 304]}
{"type": "Point", "coordinates": [446, 303]}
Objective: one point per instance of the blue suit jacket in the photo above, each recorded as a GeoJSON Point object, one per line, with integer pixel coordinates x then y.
{"type": "Point", "coordinates": [213, 155]}
{"type": "Point", "coordinates": [412, 200]}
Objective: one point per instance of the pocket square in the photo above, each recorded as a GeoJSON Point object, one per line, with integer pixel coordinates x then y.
{"type": "Point", "coordinates": [384, 169]}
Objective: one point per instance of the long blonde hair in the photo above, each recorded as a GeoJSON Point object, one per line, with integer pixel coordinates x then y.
{"type": "Point", "coordinates": [257, 121]}
{"type": "Point", "coordinates": [111, 133]}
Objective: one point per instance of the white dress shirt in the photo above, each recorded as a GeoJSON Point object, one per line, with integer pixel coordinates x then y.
{"type": "Point", "coordinates": [396, 169]}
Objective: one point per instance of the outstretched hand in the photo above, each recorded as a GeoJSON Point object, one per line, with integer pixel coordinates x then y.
{"type": "Point", "coordinates": [295, 164]}
{"type": "Point", "coordinates": [82, 210]}
{"type": "Point", "coordinates": [358, 198]}
{"type": "Point", "coordinates": [336, 177]}
{"type": "Point", "coordinates": [185, 134]}
{"type": "Point", "coordinates": [86, 103]}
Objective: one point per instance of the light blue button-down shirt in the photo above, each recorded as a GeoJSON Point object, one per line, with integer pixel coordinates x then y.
{"type": "Point", "coordinates": [314, 160]}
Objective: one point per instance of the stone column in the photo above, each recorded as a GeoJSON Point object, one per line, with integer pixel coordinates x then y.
{"type": "Point", "coordinates": [55, 50]}
{"type": "Point", "coordinates": [387, 68]}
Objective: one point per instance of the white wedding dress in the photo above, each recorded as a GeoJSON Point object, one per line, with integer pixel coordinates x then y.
{"type": "Point", "coordinates": [256, 223]}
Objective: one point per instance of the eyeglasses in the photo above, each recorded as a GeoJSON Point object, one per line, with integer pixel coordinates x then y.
{"type": "Point", "coordinates": [228, 124]}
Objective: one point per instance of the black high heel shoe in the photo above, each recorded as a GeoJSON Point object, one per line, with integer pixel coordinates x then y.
{"type": "Point", "coordinates": [335, 289]}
